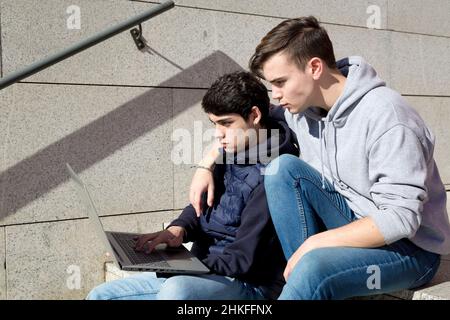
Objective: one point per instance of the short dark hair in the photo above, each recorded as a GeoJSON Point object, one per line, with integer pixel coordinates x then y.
{"type": "Point", "coordinates": [301, 38]}
{"type": "Point", "coordinates": [237, 92]}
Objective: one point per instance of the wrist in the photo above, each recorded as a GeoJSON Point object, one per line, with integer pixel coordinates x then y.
{"type": "Point", "coordinates": [203, 167]}
{"type": "Point", "coordinates": [178, 229]}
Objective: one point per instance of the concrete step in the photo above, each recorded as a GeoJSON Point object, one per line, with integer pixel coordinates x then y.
{"type": "Point", "coordinates": [437, 289]}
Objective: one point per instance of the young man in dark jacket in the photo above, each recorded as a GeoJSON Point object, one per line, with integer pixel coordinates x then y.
{"type": "Point", "coordinates": [234, 236]}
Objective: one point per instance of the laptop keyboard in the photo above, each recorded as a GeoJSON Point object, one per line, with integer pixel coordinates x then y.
{"type": "Point", "coordinates": [127, 243]}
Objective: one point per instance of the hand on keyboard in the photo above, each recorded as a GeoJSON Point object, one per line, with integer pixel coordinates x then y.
{"type": "Point", "coordinates": [172, 236]}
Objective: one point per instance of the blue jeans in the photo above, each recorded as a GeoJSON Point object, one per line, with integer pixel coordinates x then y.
{"type": "Point", "coordinates": [300, 208]}
{"type": "Point", "coordinates": [146, 286]}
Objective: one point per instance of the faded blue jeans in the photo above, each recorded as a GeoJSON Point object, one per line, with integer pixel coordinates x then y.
{"type": "Point", "coordinates": [146, 286]}
{"type": "Point", "coordinates": [300, 208]}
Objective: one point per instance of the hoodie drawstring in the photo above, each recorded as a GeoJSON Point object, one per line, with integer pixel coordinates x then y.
{"type": "Point", "coordinates": [321, 153]}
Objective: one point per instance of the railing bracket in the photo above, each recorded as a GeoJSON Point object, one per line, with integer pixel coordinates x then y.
{"type": "Point", "coordinates": [136, 34]}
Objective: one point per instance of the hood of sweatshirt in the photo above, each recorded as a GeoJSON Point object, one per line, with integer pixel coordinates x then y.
{"type": "Point", "coordinates": [361, 78]}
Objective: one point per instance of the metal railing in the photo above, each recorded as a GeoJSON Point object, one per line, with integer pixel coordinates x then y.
{"type": "Point", "coordinates": [83, 45]}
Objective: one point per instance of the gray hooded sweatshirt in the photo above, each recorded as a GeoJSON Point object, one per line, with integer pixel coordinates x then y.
{"type": "Point", "coordinates": [378, 153]}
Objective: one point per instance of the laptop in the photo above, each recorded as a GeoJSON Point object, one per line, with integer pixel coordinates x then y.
{"type": "Point", "coordinates": [163, 259]}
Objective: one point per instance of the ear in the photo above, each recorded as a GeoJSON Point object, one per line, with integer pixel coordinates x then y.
{"type": "Point", "coordinates": [255, 115]}
{"type": "Point", "coordinates": [316, 67]}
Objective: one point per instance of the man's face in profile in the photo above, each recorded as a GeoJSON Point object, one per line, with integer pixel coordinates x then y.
{"type": "Point", "coordinates": [293, 87]}
{"type": "Point", "coordinates": [232, 131]}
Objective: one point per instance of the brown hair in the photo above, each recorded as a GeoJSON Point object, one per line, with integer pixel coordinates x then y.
{"type": "Point", "coordinates": [301, 38]}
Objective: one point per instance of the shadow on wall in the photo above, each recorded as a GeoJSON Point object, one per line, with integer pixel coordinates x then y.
{"type": "Point", "coordinates": [40, 173]}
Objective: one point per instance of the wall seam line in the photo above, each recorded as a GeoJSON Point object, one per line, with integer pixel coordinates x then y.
{"type": "Point", "coordinates": [284, 18]}
{"type": "Point", "coordinates": [85, 218]}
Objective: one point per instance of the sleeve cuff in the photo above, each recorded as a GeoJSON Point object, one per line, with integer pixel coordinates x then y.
{"type": "Point", "coordinates": [389, 225]}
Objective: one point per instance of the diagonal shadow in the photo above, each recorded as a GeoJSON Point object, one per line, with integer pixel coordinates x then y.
{"type": "Point", "coordinates": [45, 170]}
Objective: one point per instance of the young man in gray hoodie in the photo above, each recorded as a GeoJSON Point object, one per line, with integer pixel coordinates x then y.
{"type": "Point", "coordinates": [362, 211]}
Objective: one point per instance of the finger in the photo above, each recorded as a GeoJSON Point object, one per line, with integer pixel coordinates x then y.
{"type": "Point", "coordinates": [144, 239]}
{"type": "Point", "coordinates": [197, 206]}
{"type": "Point", "coordinates": [210, 195]}
{"type": "Point", "coordinates": [140, 242]}
{"type": "Point", "coordinates": [286, 273]}
{"type": "Point", "coordinates": [192, 201]}
{"type": "Point", "coordinates": [191, 196]}
{"type": "Point", "coordinates": [151, 245]}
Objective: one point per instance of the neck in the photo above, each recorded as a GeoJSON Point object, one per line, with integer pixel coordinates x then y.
{"type": "Point", "coordinates": [259, 138]}
{"type": "Point", "coordinates": [331, 87]}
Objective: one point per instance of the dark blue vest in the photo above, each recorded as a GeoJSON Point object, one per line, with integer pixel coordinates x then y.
{"type": "Point", "coordinates": [222, 220]}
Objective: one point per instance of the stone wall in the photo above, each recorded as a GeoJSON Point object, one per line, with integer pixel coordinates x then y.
{"type": "Point", "coordinates": [110, 112]}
